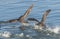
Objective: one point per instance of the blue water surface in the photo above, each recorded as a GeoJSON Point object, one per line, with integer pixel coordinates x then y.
{"type": "Point", "coordinates": [12, 9]}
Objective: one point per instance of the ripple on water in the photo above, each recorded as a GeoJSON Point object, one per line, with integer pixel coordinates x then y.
{"type": "Point", "coordinates": [10, 9]}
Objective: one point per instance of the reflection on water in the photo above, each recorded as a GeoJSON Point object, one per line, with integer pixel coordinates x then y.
{"type": "Point", "coordinates": [12, 9]}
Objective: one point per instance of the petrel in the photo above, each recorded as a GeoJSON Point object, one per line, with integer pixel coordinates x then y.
{"type": "Point", "coordinates": [40, 24]}
{"type": "Point", "coordinates": [21, 19]}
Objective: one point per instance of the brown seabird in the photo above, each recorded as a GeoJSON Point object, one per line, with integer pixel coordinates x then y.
{"type": "Point", "coordinates": [40, 24]}
{"type": "Point", "coordinates": [21, 19]}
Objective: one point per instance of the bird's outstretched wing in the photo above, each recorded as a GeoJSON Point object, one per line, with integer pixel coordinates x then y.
{"type": "Point", "coordinates": [32, 19]}
{"type": "Point", "coordinates": [27, 12]}
{"type": "Point", "coordinates": [9, 21]}
{"type": "Point", "coordinates": [45, 15]}
{"type": "Point", "coordinates": [13, 20]}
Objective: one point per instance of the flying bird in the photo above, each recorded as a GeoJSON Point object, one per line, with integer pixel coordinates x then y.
{"type": "Point", "coordinates": [21, 19]}
{"type": "Point", "coordinates": [40, 24]}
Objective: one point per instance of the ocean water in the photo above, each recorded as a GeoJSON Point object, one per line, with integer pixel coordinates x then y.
{"type": "Point", "coordinates": [12, 9]}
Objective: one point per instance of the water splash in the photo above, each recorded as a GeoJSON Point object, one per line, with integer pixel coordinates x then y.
{"type": "Point", "coordinates": [55, 29]}
{"type": "Point", "coordinates": [8, 34]}
{"type": "Point", "coordinates": [5, 34]}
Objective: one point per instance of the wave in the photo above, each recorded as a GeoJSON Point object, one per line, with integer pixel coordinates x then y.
{"type": "Point", "coordinates": [8, 34]}
{"type": "Point", "coordinates": [54, 29]}
{"type": "Point", "coordinates": [48, 31]}
{"type": "Point", "coordinates": [5, 34]}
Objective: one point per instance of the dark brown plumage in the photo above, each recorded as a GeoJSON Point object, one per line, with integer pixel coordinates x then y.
{"type": "Point", "coordinates": [41, 23]}
{"type": "Point", "coordinates": [44, 17]}
{"type": "Point", "coordinates": [21, 19]}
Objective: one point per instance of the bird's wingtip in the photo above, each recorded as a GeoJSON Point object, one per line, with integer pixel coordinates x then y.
{"type": "Point", "coordinates": [48, 10]}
